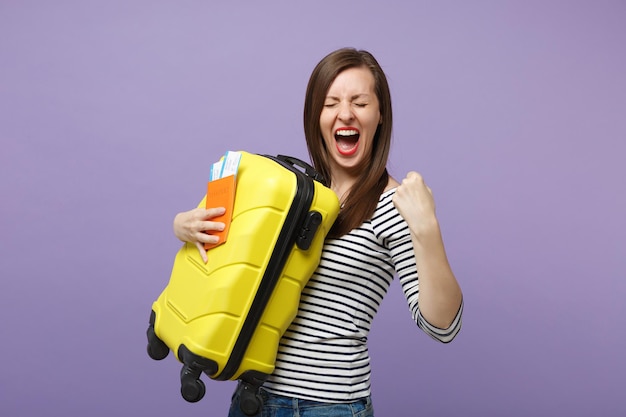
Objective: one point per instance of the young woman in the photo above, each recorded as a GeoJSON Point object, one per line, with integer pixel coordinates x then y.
{"type": "Point", "coordinates": [384, 229]}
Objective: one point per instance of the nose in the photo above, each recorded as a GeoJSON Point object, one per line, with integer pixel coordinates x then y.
{"type": "Point", "coordinates": [345, 113]}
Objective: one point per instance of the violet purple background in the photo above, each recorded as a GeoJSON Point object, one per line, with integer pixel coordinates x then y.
{"type": "Point", "coordinates": [515, 112]}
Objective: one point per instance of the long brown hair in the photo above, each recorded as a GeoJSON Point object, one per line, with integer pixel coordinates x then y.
{"type": "Point", "coordinates": [362, 198]}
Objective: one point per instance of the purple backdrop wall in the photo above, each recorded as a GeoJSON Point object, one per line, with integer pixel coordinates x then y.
{"type": "Point", "coordinates": [111, 112]}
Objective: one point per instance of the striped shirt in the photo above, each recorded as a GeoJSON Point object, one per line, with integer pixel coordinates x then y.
{"type": "Point", "coordinates": [323, 355]}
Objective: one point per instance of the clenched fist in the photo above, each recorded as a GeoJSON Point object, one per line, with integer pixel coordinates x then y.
{"type": "Point", "coordinates": [414, 200]}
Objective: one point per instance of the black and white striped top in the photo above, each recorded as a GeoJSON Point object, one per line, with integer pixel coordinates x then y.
{"type": "Point", "coordinates": [323, 355]}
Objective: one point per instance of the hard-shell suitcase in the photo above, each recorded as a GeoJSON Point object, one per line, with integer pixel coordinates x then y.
{"type": "Point", "coordinates": [225, 318]}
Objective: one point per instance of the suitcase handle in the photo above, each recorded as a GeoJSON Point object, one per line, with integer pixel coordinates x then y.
{"type": "Point", "coordinates": [308, 169]}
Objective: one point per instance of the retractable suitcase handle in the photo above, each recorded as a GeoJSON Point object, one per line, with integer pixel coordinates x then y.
{"type": "Point", "coordinates": [308, 169]}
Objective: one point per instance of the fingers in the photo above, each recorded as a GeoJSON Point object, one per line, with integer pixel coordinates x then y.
{"type": "Point", "coordinates": [414, 178]}
{"type": "Point", "coordinates": [413, 182]}
{"type": "Point", "coordinates": [204, 234]}
{"type": "Point", "coordinates": [193, 225]}
{"type": "Point", "coordinates": [202, 251]}
{"type": "Point", "coordinates": [200, 220]}
{"type": "Point", "coordinates": [207, 226]}
{"type": "Point", "coordinates": [213, 212]}
{"type": "Point", "coordinates": [196, 225]}
{"type": "Point", "coordinates": [200, 214]}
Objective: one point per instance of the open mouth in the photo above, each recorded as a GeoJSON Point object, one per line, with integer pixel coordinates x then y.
{"type": "Point", "coordinates": [347, 140]}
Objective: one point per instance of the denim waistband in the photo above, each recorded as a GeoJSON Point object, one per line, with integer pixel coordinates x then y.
{"type": "Point", "coordinates": [280, 401]}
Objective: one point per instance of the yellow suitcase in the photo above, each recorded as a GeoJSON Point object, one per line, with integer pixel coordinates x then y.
{"type": "Point", "coordinates": [225, 318]}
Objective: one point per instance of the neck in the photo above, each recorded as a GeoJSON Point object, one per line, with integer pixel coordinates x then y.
{"type": "Point", "coordinates": [341, 185]}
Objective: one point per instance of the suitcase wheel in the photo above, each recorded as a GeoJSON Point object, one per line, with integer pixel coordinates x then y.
{"type": "Point", "coordinates": [157, 349]}
{"type": "Point", "coordinates": [192, 389]}
{"type": "Point", "coordinates": [250, 404]}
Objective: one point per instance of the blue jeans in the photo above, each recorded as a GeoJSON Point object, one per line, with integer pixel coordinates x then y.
{"type": "Point", "coordinates": [279, 406]}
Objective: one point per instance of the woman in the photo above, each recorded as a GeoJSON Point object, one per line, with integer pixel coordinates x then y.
{"type": "Point", "coordinates": [384, 229]}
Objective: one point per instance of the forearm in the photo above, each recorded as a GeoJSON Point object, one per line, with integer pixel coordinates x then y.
{"type": "Point", "coordinates": [440, 295]}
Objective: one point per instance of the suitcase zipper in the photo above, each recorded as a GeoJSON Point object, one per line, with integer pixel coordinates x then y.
{"type": "Point", "coordinates": [286, 241]}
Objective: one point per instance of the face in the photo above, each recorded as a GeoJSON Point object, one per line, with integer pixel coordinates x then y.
{"type": "Point", "coordinates": [350, 118]}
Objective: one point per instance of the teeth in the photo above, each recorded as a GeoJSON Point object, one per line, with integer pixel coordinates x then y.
{"type": "Point", "coordinates": [346, 132]}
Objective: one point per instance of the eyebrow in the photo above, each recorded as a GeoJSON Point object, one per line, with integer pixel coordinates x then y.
{"type": "Point", "coordinates": [354, 97]}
